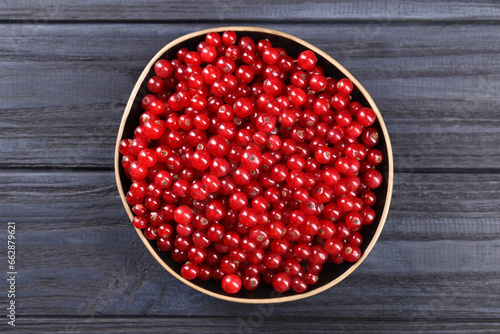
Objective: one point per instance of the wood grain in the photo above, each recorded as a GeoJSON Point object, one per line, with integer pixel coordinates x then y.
{"type": "Point", "coordinates": [254, 323]}
{"type": "Point", "coordinates": [79, 255]}
{"type": "Point", "coordinates": [65, 88]}
{"type": "Point", "coordinates": [43, 11]}
{"type": "Point", "coordinates": [59, 196]}
{"type": "Point", "coordinates": [66, 72]}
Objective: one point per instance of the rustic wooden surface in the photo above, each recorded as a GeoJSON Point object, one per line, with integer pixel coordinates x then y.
{"type": "Point", "coordinates": [66, 72]}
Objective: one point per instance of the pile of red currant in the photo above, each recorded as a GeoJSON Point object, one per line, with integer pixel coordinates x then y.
{"type": "Point", "coordinates": [250, 166]}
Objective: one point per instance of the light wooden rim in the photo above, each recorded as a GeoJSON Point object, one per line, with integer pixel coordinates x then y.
{"type": "Point", "coordinates": [309, 46]}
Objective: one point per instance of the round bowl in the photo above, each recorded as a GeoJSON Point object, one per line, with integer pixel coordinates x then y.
{"type": "Point", "coordinates": [331, 274]}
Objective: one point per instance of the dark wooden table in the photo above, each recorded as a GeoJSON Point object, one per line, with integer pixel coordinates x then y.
{"type": "Point", "coordinates": [66, 72]}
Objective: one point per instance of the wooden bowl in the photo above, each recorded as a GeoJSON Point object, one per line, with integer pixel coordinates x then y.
{"type": "Point", "coordinates": [331, 274]}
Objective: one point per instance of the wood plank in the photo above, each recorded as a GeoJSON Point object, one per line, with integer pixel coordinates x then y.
{"type": "Point", "coordinates": [78, 254]}
{"type": "Point", "coordinates": [461, 207]}
{"type": "Point", "coordinates": [43, 11]}
{"type": "Point", "coordinates": [435, 96]}
{"type": "Point", "coordinates": [65, 88]}
{"type": "Point", "coordinates": [436, 207]}
{"type": "Point", "coordinates": [254, 322]}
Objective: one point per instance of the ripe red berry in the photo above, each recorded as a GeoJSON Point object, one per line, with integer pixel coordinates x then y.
{"type": "Point", "coordinates": [231, 283]}
{"type": "Point", "coordinates": [183, 215]}
{"type": "Point", "coordinates": [215, 210]}
{"type": "Point", "coordinates": [366, 117]}
{"type": "Point", "coordinates": [351, 253]}
{"type": "Point", "coordinates": [307, 60]}
{"type": "Point", "coordinates": [282, 282]}
{"type": "Point", "coordinates": [229, 37]}
{"type": "Point", "coordinates": [251, 159]}
{"type": "Point", "coordinates": [373, 179]}
{"type": "Point", "coordinates": [190, 271]}
{"type": "Point", "coordinates": [163, 68]}
{"type": "Point", "coordinates": [345, 86]}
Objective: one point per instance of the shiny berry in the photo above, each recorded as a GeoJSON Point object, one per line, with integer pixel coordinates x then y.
{"type": "Point", "coordinates": [373, 179]}
{"type": "Point", "coordinates": [282, 282]}
{"type": "Point", "coordinates": [307, 60]}
{"type": "Point", "coordinates": [351, 253]}
{"type": "Point", "coordinates": [231, 283]}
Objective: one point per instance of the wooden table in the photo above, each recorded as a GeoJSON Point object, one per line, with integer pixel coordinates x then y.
{"type": "Point", "coordinates": [66, 71]}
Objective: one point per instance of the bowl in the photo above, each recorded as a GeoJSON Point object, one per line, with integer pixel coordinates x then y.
{"type": "Point", "coordinates": [331, 274]}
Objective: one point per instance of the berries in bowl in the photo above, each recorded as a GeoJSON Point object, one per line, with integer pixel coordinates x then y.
{"type": "Point", "coordinates": [253, 166]}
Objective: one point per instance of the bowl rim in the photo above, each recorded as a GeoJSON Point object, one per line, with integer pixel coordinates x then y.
{"type": "Point", "coordinates": [363, 91]}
